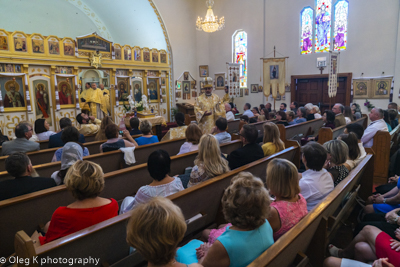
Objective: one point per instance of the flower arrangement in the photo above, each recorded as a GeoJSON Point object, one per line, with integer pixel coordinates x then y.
{"type": "Point", "coordinates": [368, 104]}
{"type": "Point", "coordinates": [139, 106]}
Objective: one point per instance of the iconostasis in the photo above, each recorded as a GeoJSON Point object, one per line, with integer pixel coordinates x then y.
{"type": "Point", "coordinates": [43, 76]}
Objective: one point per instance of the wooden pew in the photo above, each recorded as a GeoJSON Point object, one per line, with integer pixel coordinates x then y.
{"type": "Point", "coordinates": [309, 238]}
{"type": "Point", "coordinates": [110, 161]}
{"type": "Point", "coordinates": [233, 126]}
{"type": "Point", "coordinates": [300, 130]}
{"type": "Point", "coordinates": [394, 137]}
{"type": "Point", "coordinates": [381, 147]}
{"type": "Point", "coordinates": [238, 115]}
{"type": "Point", "coordinates": [35, 208]}
{"type": "Point", "coordinates": [110, 236]}
{"type": "Point", "coordinates": [326, 134]}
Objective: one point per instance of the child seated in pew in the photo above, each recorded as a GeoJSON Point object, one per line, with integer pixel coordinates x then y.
{"type": "Point", "coordinates": [289, 206]}
{"type": "Point", "coordinates": [316, 182]}
{"type": "Point", "coordinates": [355, 156]}
{"type": "Point", "coordinates": [193, 134]}
{"type": "Point", "coordinates": [209, 162]}
{"type": "Point", "coordinates": [85, 181]}
{"type": "Point", "coordinates": [155, 230]}
{"type": "Point", "coordinates": [246, 205]}
{"type": "Point", "coordinates": [69, 135]}
{"type": "Point", "coordinates": [369, 245]}
{"type": "Point", "coordinates": [272, 141]}
{"type": "Point", "coordinates": [338, 153]}
{"type": "Point", "coordinates": [159, 166]}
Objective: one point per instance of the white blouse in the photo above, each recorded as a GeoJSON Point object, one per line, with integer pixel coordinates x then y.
{"type": "Point", "coordinates": [45, 135]}
{"type": "Point", "coordinates": [188, 147]}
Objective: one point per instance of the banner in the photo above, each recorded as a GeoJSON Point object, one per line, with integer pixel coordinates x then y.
{"type": "Point", "coordinates": [333, 71]}
{"type": "Point", "coordinates": [274, 76]}
{"type": "Point", "coordinates": [233, 79]}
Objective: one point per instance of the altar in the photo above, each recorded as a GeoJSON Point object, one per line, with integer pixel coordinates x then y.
{"type": "Point", "coordinates": [45, 77]}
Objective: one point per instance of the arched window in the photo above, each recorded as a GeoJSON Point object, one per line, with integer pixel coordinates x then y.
{"type": "Point", "coordinates": [239, 40]}
{"type": "Point", "coordinates": [340, 28]}
{"type": "Point", "coordinates": [306, 22]}
{"type": "Point", "coordinates": [323, 25]}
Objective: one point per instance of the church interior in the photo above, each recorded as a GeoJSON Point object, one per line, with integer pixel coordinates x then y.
{"type": "Point", "coordinates": [200, 133]}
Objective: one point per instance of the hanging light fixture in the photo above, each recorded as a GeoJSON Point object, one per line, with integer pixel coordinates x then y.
{"type": "Point", "coordinates": [210, 22]}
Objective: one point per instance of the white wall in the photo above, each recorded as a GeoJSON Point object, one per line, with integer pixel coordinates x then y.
{"type": "Point", "coordinates": [373, 35]}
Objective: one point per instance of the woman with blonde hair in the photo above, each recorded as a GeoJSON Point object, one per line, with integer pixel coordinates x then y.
{"type": "Point", "coordinates": [209, 162]}
{"type": "Point", "coordinates": [272, 141]}
{"type": "Point", "coordinates": [338, 152]}
{"type": "Point", "coordinates": [316, 112]}
{"type": "Point", "coordinates": [101, 134]}
{"type": "Point", "coordinates": [246, 205]}
{"type": "Point", "coordinates": [85, 181]}
{"type": "Point", "coordinates": [193, 134]}
{"type": "Point", "coordinates": [289, 206]}
{"type": "Point", "coordinates": [155, 230]}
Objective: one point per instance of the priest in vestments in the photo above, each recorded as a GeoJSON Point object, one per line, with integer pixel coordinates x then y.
{"type": "Point", "coordinates": [226, 98]}
{"type": "Point", "coordinates": [105, 101]}
{"type": "Point", "coordinates": [82, 99]}
{"type": "Point", "coordinates": [93, 97]}
{"type": "Point", "coordinates": [208, 109]}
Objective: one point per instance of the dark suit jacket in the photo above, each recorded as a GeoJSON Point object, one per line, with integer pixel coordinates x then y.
{"type": "Point", "coordinates": [245, 155]}
{"type": "Point", "coordinates": [24, 185]}
{"type": "Point", "coordinates": [55, 140]}
{"type": "Point", "coordinates": [135, 132]}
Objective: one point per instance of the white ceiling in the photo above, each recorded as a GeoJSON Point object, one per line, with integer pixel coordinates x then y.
{"type": "Point", "coordinates": [132, 22]}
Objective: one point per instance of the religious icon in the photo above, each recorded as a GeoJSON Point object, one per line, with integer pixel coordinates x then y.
{"type": "Point", "coordinates": [192, 84]}
{"type": "Point", "coordinates": [163, 58]}
{"type": "Point", "coordinates": [137, 55]}
{"type": "Point", "coordinates": [137, 90]}
{"type": "Point", "coordinates": [69, 49]}
{"type": "Point", "coordinates": [153, 90]}
{"type": "Point", "coordinates": [254, 88]}
{"type": "Point", "coordinates": [38, 46]}
{"type": "Point", "coordinates": [54, 47]}
{"type": "Point", "coordinates": [64, 93]}
{"type": "Point", "coordinates": [178, 85]}
{"type": "Point", "coordinates": [117, 51]}
{"type": "Point", "coordinates": [2, 67]}
{"type": "Point", "coordinates": [274, 72]}
{"type": "Point", "coordinates": [163, 91]}
{"type": "Point", "coordinates": [241, 92]}
{"type": "Point", "coordinates": [246, 91]}
{"type": "Point", "coordinates": [194, 94]}
{"type": "Point", "coordinates": [94, 43]}
{"type": "Point", "coordinates": [127, 53]}
{"type": "Point", "coordinates": [105, 82]}
{"type": "Point", "coordinates": [260, 88]}
{"type": "Point", "coordinates": [178, 94]}
{"type": "Point", "coordinates": [20, 44]}
{"type": "Point", "coordinates": [154, 56]}
{"type": "Point", "coordinates": [146, 56]}
{"type": "Point", "coordinates": [3, 43]}
{"type": "Point", "coordinates": [9, 68]}
{"type": "Point", "coordinates": [323, 27]}
{"type": "Point", "coordinates": [13, 97]}
{"type": "Point", "coordinates": [382, 88]}
{"type": "Point", "coordinates": [234, 78]}
{"type": "Point", "coordinates": [186, 87]}
{"type": "Point", "coordinates": [17, 68]}
{"type": "Point", "coordinates": [361, 89]}
{"type": "Point", "coordinates": [203, 71]}
{"type": "Point", "coordinates": [42, 99]}
{"type": "Point", "coordinates": [186, 76]}
{"type": "Point", "coordinates": [122, 91]}
{"type": "Point", "coordinates": [220, 81]}
{"type": "Point", "coordinates": [162, 81]}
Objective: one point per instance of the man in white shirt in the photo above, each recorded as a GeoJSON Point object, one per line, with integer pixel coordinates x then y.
{"type": "Point", "coordinates": [377, 124]}
{"type": "Point", "coordinates": [229, 113]}
{"type": "Point", "coordinates": [247, 112]}
{"type": "Point", "coordinates": [316, 182]}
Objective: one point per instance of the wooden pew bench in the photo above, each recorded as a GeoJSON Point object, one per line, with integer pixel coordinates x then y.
{"type": "Point", "coordinates": [233, 126]}
{"type": "Point", "coordinates": [110, 161]}
{"type": "Point", "coordinates": [394, 137]}
{"type": "Point", "coordinates": [309, 238]}
{"type": "Point", "coordinates": [381, 148]}
{"type": "Point", "coordinates": [297, 131]}
{"type": "Point", "coordinates": [28, 211]}
{"type": "Point", "coordinates": [110, 236]}
{"type": "Point", "coordinates": [326, 134]}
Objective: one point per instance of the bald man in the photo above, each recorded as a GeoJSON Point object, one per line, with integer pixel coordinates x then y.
{"type": "Point", "coordinates": [377, 124]}
{"type": "Point", "coordinates": [229, 113]}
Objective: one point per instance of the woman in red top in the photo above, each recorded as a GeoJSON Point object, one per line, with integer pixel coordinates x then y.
{"type": "Point", "coordinates": [85, 180]}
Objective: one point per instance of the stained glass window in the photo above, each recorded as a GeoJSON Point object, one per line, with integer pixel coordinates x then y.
{"type": "Point", "coordinates": [323, 25]}
{"type": "Point", "coordinates": [240, 55]}
{"type": "Point", "coordinates": [306, 17]}
{"type": "Point", "coordinates": [340, 29]}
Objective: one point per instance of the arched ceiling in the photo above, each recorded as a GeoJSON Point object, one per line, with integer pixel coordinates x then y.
{"type": "Point", "coordinates": [131, 22]}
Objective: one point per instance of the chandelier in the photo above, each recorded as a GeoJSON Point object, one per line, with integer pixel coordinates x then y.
{"type": "Point", "coordinates": [210, 22]}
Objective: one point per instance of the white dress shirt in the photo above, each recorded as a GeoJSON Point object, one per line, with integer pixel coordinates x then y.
{"type": "Point", "coordinates": [230, 116]}
{"type": "Point", "coordinates": [315, 186]}
{"type": "Point", "coordinates": [248, 113]}
{"type": "Point", "coordinates": [317, 116]}
{"type": "Point", "coordinates": [369, 133]}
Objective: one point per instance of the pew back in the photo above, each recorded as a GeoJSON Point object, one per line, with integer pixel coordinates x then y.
{"type": "Point", "coordinates": [110, 236]}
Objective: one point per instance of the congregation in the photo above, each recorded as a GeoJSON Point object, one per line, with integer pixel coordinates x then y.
{"type": "Point", "coordinates": [256, 213]}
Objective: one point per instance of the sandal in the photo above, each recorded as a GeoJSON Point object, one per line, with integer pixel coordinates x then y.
{"type": "Point", "coordinates": [333, 250]}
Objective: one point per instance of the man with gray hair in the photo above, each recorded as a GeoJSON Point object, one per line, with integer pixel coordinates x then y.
{"type": "Point", "coordinates": [377, 124]}
{"type": "Point", "coordinates": [23, 131]}
{"type": "Point", "coordinates": [229, 113]}
{"type": "Point", "coordinates": [338, 109]}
